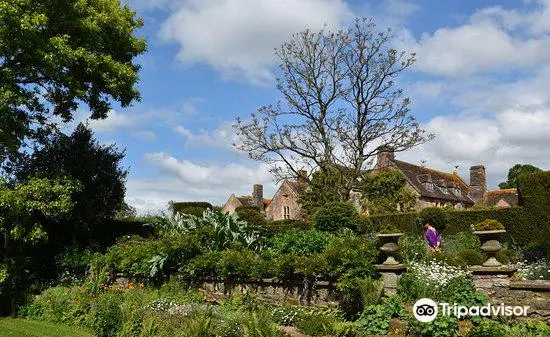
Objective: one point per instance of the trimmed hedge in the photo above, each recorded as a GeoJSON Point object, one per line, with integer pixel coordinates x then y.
{"type": "Point", "coordinates": [194, 208]}
{"type": "Point", "coordinates": [280, 226]}
{"type": "Point", "coordinates": [524, 224]}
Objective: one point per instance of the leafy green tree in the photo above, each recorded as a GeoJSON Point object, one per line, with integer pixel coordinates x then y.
{"type": "Point", "coordinates": [25, 208]}
{"type": "Point", "coordinates": [326, 185]}
{"type": "Point", "coordinates": [386, 192]}
{"type": "Point", "coordinates": [97, 167]}
{"type": "Point", "coordinates": [56, 54]}
{"type": "Point", "coordinates": [515, 172]}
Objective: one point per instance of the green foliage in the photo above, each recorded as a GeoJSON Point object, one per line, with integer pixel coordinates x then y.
{"type": "Point", "coordinates": [412, 248]}
{"type": "Point", "coordinates": [514, 173]}
{"type": "Point", "coordinates": [315, 324]}
{"type": "Point", "coordinates": [106, 316]}
{"type": "Point", "coordinates": [355, 293]}
{"type": "Point", "coordinates": [388, 229]}
{"type": "Point", "coordinates": [280, 226]}
{"type": "Point", "coordinates": [455, 243]}
{"type": "Point", "coordinates": [84, 52]}
{"type": "Point", "coordinates": [470, 257]}
{"type": "Point", "coordinates": [195, 208]}
{"type": "Point", "coordinates": [238, 264]}
{"type": "Point", "coordinates": [325, 186]}
{"type": "Point", "coordinates": [300, 242]}
{"type": "Point", "coordinates": [336, 215]}
{"type": "Point", "coordinates": [435, 216]}
{"type": "Point", "coordinates": [488, 225]}
{"type": "Point", "coordinates": [251, 215]}
{"type": "Point", "coordinates": [386, 192]}
{"type": "Point", "coordinates": [442, 326]}
{"type": "Point", "coordinates": [374, 320]}
{"type": "Point", "coordinates": [227, 230]}
{"type": "Point", "coordinates": [536, 251]}
{"type": "Point", "coordinates": [489, 328]}
{"type": "Point", "coordinates": [349, 257]}
{"type": "Point", "coordinates": [25, 209]}
{"type": "Point", "coordinates": [96, 167]}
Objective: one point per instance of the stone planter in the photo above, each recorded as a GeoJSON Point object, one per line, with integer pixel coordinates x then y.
{"type": "Point", "coordinates": [389, 246]}
{"type": "Point", "coordinates": [490, 244]}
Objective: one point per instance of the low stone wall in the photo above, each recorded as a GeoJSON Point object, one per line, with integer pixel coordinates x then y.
{"type": "Point", "coordinates": [503, 288]}
{"type": "Point", "coordinates": [276, 292]}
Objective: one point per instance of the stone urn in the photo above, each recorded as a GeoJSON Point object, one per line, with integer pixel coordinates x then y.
{"type": "Point", "coordinates": [389, 246]}
{"type": "Point", "coordinates": [490, 244]}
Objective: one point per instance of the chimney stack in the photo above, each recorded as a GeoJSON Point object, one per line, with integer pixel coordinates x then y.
{"type": "Point", "coordinates": [478, 183]}
{"type": "Point", "coordinates": [258, 196]}
{"type": "Point", "coordinates": [384, 157]}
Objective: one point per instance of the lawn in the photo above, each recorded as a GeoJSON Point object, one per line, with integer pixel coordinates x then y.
{"type": "Point", "coordinates": [27, 328]}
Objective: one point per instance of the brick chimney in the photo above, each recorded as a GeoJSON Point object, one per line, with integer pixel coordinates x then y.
{"type": "Point", "coordinates": [478, 183]}
{"type": "Point", "coordinates": [385, 157]}
{"type": "Point", "coordinates": [258, 196]}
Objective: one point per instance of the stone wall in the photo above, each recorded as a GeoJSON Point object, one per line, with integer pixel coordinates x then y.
{"type": "Point", "coordinates": [285, 196]}
{"type": "Point", "coordinates": [275, 292]}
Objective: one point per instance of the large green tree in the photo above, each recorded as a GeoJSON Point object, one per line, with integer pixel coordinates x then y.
{"type": "Point", "coordinates": [516, 171]}
{"type": "Point", "coordinates": [56, 54]}
{"type": "Point", "coordinates": [97, 167]}
{"type": "Point", "coordinates": [386, 192]}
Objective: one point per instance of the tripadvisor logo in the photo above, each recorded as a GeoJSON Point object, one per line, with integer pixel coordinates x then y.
{"type": "Point", "coordinates": [426, 310]}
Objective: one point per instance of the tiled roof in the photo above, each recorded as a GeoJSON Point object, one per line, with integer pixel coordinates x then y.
{"type": "Point", "coordinates": [510, 196]}
{"type": "Point", "coordinates": [297, 186]}
{"type": "Point", "coordinates": [443, 184]}
{"type": "Point", "coordinates": [247, 201]}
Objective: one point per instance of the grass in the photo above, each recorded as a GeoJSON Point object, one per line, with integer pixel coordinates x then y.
{"type": "Point", "coordinates": [10, 327]}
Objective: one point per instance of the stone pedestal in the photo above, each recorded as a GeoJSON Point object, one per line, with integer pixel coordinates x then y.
{"type": "Point", "coordinates": [390, 276]}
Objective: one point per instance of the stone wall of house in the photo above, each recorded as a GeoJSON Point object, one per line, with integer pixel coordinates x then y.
{"type": "Point", "coordinates": [285, 196]}
{"type": "Point", "coordinates": [231, 204]}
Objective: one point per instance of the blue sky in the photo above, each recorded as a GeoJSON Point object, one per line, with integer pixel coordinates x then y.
{"type": "Point", "coordinates": [480, 84]}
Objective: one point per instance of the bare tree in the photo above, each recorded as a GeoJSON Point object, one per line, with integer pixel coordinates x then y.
{"type": "Point", "coordinates": [340, 105]}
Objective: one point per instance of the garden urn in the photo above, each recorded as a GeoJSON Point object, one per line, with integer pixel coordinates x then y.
{"type": "Point", "coordinates": [490, 244]}
{"type": "Point", "coordinates": [389, 246]}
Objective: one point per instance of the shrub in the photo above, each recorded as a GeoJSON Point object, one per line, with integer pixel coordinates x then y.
{"type": "Point", "coordinates": [374, 320]}
{"type": "Point", "coordinates": [235, 264]}
{"type": "Point", "coordinates": [507, 256]}
{"type": "Point", "coordinates": [355, 293]}
{"type": "Point", "coordinates": [350, 257]}
{"type": "Point", "coordinates": [205, 265]}
{"type": "Point", "coordinates": [106, 316]}
{"type": "Point", "coordinates": [193, 208]}
{"type": "Point", "coordinates": [300, 242]}
{"type": "Point", "coordinates": [536, 251]}
{"type": "Point", "coordinates": [455, 243]}
{"type": "Point", "coordinates": [280, 226]}
{"type": "Point", "coordinates": [488, 225]}
{"type": "Point", "coordinates": [471, 257]}
{"type": "Point", "coordinates": [536, 271]}
{"type": "Point", "coordinates": [336, 215]}
{"type": "Point", "coordinates": [489, 328]}
{"type": "Point", "coordinates": [435, 216]}
{"type": "Point", "coordinates": [251, 215]}
{"type": "Point", "coordinates": [442, 326]}
{"type": "Point", "coordinates": [388, 229]}
{"type": "Point", "coordinates": [315, 324]}
{"type": "Point", "coordinates": [412, 248]}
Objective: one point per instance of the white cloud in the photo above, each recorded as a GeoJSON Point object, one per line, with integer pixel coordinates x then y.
{"type": "Point", "coordinates": [493, 40]}
{"type": "Point", "coordinates": [184, 180]}
{"type": "Point", "coordinates": [238, 37]}
{"type": "Point", "coordinates": [145, 135]}
{"type": "Point", "coordinates": [115, 120]}
{"type": "Point", "coordinates": [223, 137]}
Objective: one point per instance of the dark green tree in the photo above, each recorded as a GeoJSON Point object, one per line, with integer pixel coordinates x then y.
{"type": "Point", "coordinates": [386, 192]}
{"type": "Point", "coordinates": [326, 185]}
{"type": "Point", "coordinates": [82, 158]}
{"type": "Point", "coordinates": [516, 171]}
{"type": "Point", "coordinates": [56, 54]}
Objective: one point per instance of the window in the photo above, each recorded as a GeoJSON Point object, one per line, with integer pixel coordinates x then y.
{"type": "Point", "coordinates": [429, 186]}
{"type": "Point", "coordinates": [286, 212]}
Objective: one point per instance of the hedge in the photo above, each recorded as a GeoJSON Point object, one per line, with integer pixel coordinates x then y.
{"type": "Point", "coordinates": [194, 208]}
{"type": "Point", "coordinates": [524, 224]}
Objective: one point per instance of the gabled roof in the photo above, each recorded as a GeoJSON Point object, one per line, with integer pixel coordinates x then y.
{"type": "Point", "coordinates": [247, 201]}
{"type": "Point", "coordinates": [297, 186]}
{"type": "Point", "coordinates": [443, 184]}
{"type": "Point", "coordinates": [510, 196]}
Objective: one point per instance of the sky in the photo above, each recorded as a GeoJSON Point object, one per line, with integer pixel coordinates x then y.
{"type": "Point", "coordinates": [481, 84]}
